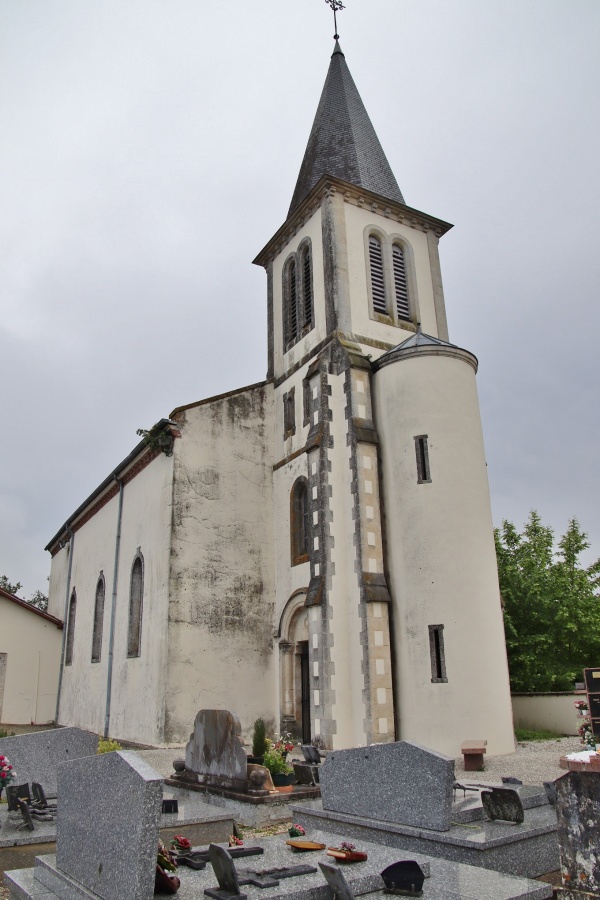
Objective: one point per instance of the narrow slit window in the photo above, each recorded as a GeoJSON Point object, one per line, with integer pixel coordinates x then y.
{"type": "Point", "coordinates": [400, 284]}
{"type": "Point", "coordinates": [71, 630]}
{"type": "Point", "coordinates": [377, 276]}
{"type": "Point", "coordinates": [98, 620]}
{"type": "Point", "coordinates": [136, 602]}
{"type": "Point", "coordinates": [422, 453]}
{"type": "Point", "coordinates": [289, 413]}
{"type": "Point", "coordinates": [436, 651]}
{"type": "Point", "coordinates": [307, 288]}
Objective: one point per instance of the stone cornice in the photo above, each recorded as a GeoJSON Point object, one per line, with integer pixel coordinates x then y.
{"type": "Point", "coordinates": [328, 186]}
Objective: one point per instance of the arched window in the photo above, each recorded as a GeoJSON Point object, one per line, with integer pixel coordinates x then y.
{"type": "Point", "coordinates": [377, 276]}
{"type": "Point", "coordinates": [136, 598]}
{"type": "Point", "coordinates": [98, 620]}
{"type": "Point", "coordinates": [300, 522]}
{"type": "Point", "coordinates": [71, 629]}
{"type": "Point", "coordinates": [400, 283]}
{"type": "Point", "coordinates": [307, 288]}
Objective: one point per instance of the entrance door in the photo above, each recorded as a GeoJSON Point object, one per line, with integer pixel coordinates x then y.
{"type": "Point", "coordinates": [305, 686]}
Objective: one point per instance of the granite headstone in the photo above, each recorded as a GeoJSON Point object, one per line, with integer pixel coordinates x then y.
{"type": "Point", "coordinates": [399, 782]}
{"type": "Point", "coordinates": [336, 881]}
{"type": "Point", "coordinates": [503, 803]}
{"type": "Point", "coordinates": [108, 844]}
{"type": "Point", "coordinates": [215, 750]}
{"type": "Point", "coordinates": [226, 875]}
{"type": "Point", "coordinates": [36, 756]}
{"type": "Point", "coordinates": [578, 813]}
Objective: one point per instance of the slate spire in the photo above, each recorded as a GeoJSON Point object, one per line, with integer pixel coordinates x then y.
{"type": "Point", "coordinates": [343, 142]}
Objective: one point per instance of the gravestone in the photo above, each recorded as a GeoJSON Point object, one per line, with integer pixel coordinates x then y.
{"type": "Point", "coordinates": [225, 873]}
{"type": "Point", "coordinates": [260, 784]}
{"type": "Point", "coordinates": [336, 881]}
{"type": "Point", "coordinates": [405, 878]}
{"type": "Point", "coordinates": [311, 754]}
{"type": "Point", "coordinates": [215, 750]}
{"type": "Point", "coordinates": [503, 803]}
{"type": "Point", "coordinates": [107, 831]}
{"type": "Point", "coordinates": [36, 756]}
{"type": "Point", "coordinates": [578, 813]}
{"type": "Point", "coordinates": [400, 782]}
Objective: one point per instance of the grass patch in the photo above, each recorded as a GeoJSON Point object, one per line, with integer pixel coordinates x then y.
{"type": "Point", "coordinates": [531, 734]}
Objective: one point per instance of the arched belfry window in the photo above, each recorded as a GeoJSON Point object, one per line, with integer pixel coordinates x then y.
{"type": "Point", "coordinates": [300, 522]}
{"type": "Point", "coordinates": [307, 288]}
{"type": "Point", "coordinates": [400, 283]}
{"type": "Point", "coordinates": [136, 604]}
{"type": "Point", "coordinates": [377, 276]}
{"type": "Point", "coordinates": [298, 295]}
{"type": "Point", "coordinates": [290, 294]}
{"type": "Point", "coordinates": [71, 629]}
{"type": "Point", "coordinates": [98, 620]}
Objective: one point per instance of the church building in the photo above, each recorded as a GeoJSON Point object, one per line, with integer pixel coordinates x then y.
{"type": "Point", "coordinates": [316, 549]}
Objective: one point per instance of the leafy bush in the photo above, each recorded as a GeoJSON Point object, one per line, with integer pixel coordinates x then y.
{"type": "Point", "coordinates": [259, 738]}
{"type": "Point", "coordinates": [276, 763]}
{"type": "Point", "coordinates": [105, 745]}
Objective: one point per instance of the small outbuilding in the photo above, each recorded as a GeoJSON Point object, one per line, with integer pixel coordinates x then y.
{"type": "Point", "coordinates": [30, 647]}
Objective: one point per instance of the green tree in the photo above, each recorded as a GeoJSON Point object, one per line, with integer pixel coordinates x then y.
{"type": "Point", "coordinates": [551, 605]}
{"type": "Point", "coordinates": [37, 599]}
{"type": "Point", "coordinates": [7, 586]}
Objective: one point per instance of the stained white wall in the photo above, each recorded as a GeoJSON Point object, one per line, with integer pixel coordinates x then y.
{"type": "Point", "coordinates": [221, 648]}
{"type": "Point", "coordinates": [442, 563]}
{"type": "Point", "coordinates": [138, 687]}
{"type": "Point", "coordinates": [32, 647]}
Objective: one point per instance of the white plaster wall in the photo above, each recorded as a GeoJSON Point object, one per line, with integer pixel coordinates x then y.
{"type": "Point", "coordinates": [57, 584]}
{"type": "Point", "coordinates": [548, 712]}
{"type": "Point", "coordinates": [221, 652]}
{"type": "Point", "coordinates": [138, 687]}
{"type": "Point", "coordinates": [284, 361]}
{"type": "Point", "coordinates": [441, 557]}
{"type": "Point", "coordinates": [357, 219]}
{"type": "Point", "coordinates": [32, 645]}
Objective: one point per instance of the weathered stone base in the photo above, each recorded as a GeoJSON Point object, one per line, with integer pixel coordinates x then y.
{"type": "Point", "coordinates": [528, 850]}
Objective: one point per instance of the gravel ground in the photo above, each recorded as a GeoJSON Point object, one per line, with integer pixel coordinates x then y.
{"type": "Point", "coordinates": [533, 761]}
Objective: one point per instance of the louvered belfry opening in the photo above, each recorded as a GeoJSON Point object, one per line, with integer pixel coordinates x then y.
{"type": "Point", "coordinates": [377, 279]}
{"type": "Point", "coordinates": [292, 303]}
{"type": "Point", "coordinates": [400, 285]}
{"type": "Point", "coordinates": [307, 288]}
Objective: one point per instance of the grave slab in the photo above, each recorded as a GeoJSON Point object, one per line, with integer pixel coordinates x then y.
{"type": "Point", "coordinates": [447, 881]}
{"type": "Point", "coordinates": [396, 782]}
{"type": "Point", "coordinates": [36, 756]}
{"type": "Point", "coordinates": [529, 849]}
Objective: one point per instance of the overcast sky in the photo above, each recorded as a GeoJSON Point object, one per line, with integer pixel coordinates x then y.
{"type": "Point", "coordinates": [150, 149]}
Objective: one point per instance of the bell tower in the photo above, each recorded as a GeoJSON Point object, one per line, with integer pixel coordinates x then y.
{"type": "Point", "coordinates": [384, 528]}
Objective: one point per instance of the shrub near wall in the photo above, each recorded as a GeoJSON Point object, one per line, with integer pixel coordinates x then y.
{"type": "Point", "coordinates": [548, 712]}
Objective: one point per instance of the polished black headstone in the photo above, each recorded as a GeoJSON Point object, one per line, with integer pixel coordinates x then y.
{"type": "Point", "coordinates": [404, 878]}
{"type": "Point", "coordinates": [503, 803]}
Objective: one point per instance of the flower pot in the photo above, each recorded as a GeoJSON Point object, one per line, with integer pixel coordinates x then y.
{"type": "Point", "coordinates": [280, 780]}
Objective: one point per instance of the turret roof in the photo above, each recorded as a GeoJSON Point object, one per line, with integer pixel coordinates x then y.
{"type": "Point", "coordinates": [343, 142]}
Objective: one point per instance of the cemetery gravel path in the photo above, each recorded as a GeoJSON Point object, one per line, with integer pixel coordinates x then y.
{"type": "Point", "coordinates": [533, 761]}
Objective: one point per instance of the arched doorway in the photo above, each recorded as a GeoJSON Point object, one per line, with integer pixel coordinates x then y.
{"type": "Point", "coordinates": [294, 669]}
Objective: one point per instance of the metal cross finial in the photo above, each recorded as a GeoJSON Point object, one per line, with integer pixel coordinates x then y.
{"type": "Point", "coordinates": [336, 5]}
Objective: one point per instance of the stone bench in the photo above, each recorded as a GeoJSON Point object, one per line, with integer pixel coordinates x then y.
{"type": "Point", "coordinates": [473, 752]}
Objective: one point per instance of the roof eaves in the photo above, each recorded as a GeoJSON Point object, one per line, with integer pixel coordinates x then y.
{"type": "Point", "coordinates": [30, 608]}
